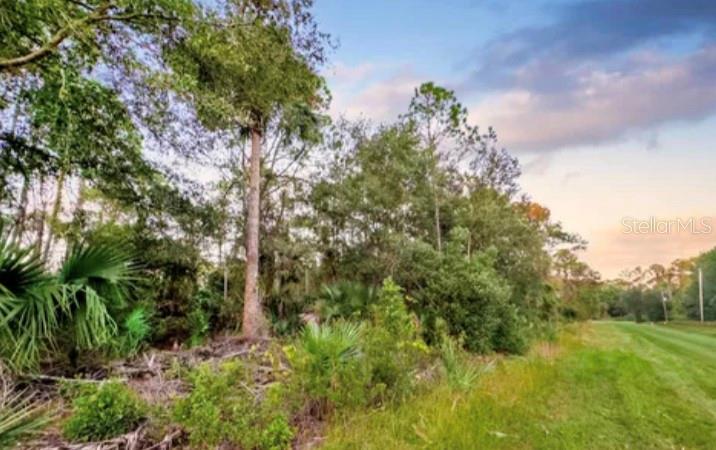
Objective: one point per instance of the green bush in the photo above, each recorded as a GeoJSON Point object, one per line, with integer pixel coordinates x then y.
{"type": "Point", "coordinates": [329, 367]}
{"type": "Point", "coordinates": [204, 312]}
{"type": "Point", "coordinates": [277, 435]}
{"type": "Point", "coordinates": [198, 327]}
{"type": "Point", "coordinates": [510, 334]}
{"type": "Point", "coordinates": [104, 411]}
{"type": "Point", "coordinates": [223, 408]}
{"type": "Point", "coordinates": [392, 344]}
{"type": "Point", "coordinates": [471, 297]}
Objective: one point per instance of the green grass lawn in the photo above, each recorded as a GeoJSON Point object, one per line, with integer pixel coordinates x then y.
{"type": "Point", "coordinates": [604, 385]}
{"type": "Point", "coordinates": [708, 328]}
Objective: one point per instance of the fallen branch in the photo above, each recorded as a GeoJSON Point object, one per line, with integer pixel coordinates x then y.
{"type": "Point", "coordinates": [56, 379]}
{"type": "Point", "coordinates": [166, 442]}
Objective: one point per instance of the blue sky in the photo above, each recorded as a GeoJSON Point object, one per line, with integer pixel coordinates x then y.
{"type": "Point", "coordinates": [610, 106]}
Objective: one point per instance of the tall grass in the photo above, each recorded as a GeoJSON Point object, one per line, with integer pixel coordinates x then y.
{"type": "Point", "coordinates": [589, 394]}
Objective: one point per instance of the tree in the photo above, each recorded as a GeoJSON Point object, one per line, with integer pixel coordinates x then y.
{"type": "Point", "coordinates": [243, 70]}
{"type": "Point", "coordinates": [33, 30]}
{"type": "Point", "coordinates": [450, 142]}
{"type": "Point", "coordinates": [707, 263]}
{"type": "Point", "coordinates": [437, 116]}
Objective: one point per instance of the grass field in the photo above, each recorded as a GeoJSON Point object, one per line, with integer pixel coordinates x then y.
{"type": "Point", "coordinates": [604, 385]}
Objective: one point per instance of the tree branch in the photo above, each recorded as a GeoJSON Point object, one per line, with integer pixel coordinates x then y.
{"type": "Point", "coordinates": [54, 42]}
{"type": "Point", "coordinates": [99, 15]}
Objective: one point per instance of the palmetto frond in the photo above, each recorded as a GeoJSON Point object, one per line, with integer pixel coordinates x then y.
{"type": "Point", "coordinates": [346, 300]}
{"type": "Point", "coordinates": [94, 280]}
{"type": "Point", "coordinates": [21, 269]}
{"type": "Point", "coordinates": [35, 307]}
{"type": "Point", "coordinates": [20, 415]}
{"type": "Point", "coordinates": [28, 303]}
{"type": "Point", "coordinates": [107, 269]}
{"type": "Point", "coordinates": [331, 345]}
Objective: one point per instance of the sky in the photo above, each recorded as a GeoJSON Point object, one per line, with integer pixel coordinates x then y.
{"type": "Point", "coordinates": [610, 106]}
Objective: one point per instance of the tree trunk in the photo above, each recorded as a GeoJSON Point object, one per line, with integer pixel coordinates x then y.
{"type": "Point", "coordinates": [39, 216]}
{"type": "Point", "coordinates": [54, 215]}
{"type": "Point", "coordinates": [254, 323]}
{"type": "Point", "coordinates": [21, 211]}
{"type": "Point", "coordinates": [438, 234]}
{"type": "Point", "coordinates": [73, 238]}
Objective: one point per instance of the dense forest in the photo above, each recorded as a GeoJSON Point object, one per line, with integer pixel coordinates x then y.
{"type": "Point", "coordinates": [171, 179]}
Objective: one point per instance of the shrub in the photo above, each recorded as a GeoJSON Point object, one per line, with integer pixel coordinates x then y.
{"type": "Point", "coordinates": [104, 411]}
{"type": "Point", "coordinates": [392, 344]}
{"type": "Point", "coordinates": [277, 435]}
{"type": "Point", "coordinates": [204, 312]}
{"type": "Point", "coordinates": [198, 327]}
{"type": "Point", "coordinates": [510, 334]}
{"type": "Point", "coordinates": [470, 296]}
{"type": "Point", "coordinates": [223, 408]}
{"type": "Point", "coordinates": [73, 310]}
{"type": "Point", "coordinates": [329, 368]}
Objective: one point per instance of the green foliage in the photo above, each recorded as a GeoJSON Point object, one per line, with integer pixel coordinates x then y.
{"type": "Point", "coordinates": [459, 371]}
{"type": "Point", "coordinates": [278, 435]}
{"type": "Point", "coordinates": [344, 364]}
{"type": "Point", "coordinates": [75, 308]}
{"type": "Point", "coordinates": [104, 411]}
{"type": "Point", "coordinates": [707, 263]}
{"type": "Point", "coordinates": [95, 281]}
{"type": "Point", "coordinates": [247, 63]}
{"type": "Point", "coordinates": [31, 24]}
{"type": "Point", "coordinates": [328, 366]}
{"type": "Point", "coordinates": [203, 315]}
{"type": "Point", "coordinates": [29, 304]}
{"type": "Point", "coordinates": [21, 416]}
{"type": "Point", "coordinates": [223, 408]}
{"type": "Point", "coordinates": [643, 304]}
{"type": "Point", "coordinates": [584, 393]}
{"type": "Point", "coordinates": [346, 300]}
{"type": "Point", "coordinates": [510, 334]}
{"type": "Point", "coordinates": [198, 326]}
{"type": "Point", "coordinates": [135, 332]}
{"type": "Point", "coordinates": [470, 297]}
{"type": "Point", "coordinates": [392, 344]}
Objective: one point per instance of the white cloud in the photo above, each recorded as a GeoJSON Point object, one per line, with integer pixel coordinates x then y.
{"type": "Point", "coordinates": [380, 99]}
{"type": "Point", "coordinates": [603, 105]}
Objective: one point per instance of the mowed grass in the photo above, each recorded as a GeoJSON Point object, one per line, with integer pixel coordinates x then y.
{"type": "Point", "coordinates": [707, 328]}
{"type": "Point", "coordinates": [602, 386]}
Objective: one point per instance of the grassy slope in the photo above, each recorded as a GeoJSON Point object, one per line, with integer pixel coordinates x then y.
{"type": "Point", "coordinates": [606, 385]}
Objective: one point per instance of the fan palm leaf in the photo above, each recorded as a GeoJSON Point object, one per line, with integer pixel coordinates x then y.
{"type": "Point", "coordinates": [95, 280]}
{"type": "Point", "coordinates": [21, 415]}
{"type": "Point", "coordinates": [28, 304]}
{"type": "Point", "coordinates": [36, 308]}
{"type": "Point", "coordinates": [331, 345]}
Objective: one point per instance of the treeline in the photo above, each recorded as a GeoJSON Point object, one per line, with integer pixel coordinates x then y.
{"type": "Point", "coordinates": [168, 172]}
{"type": "Point", "coordinates": [654, 293]}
